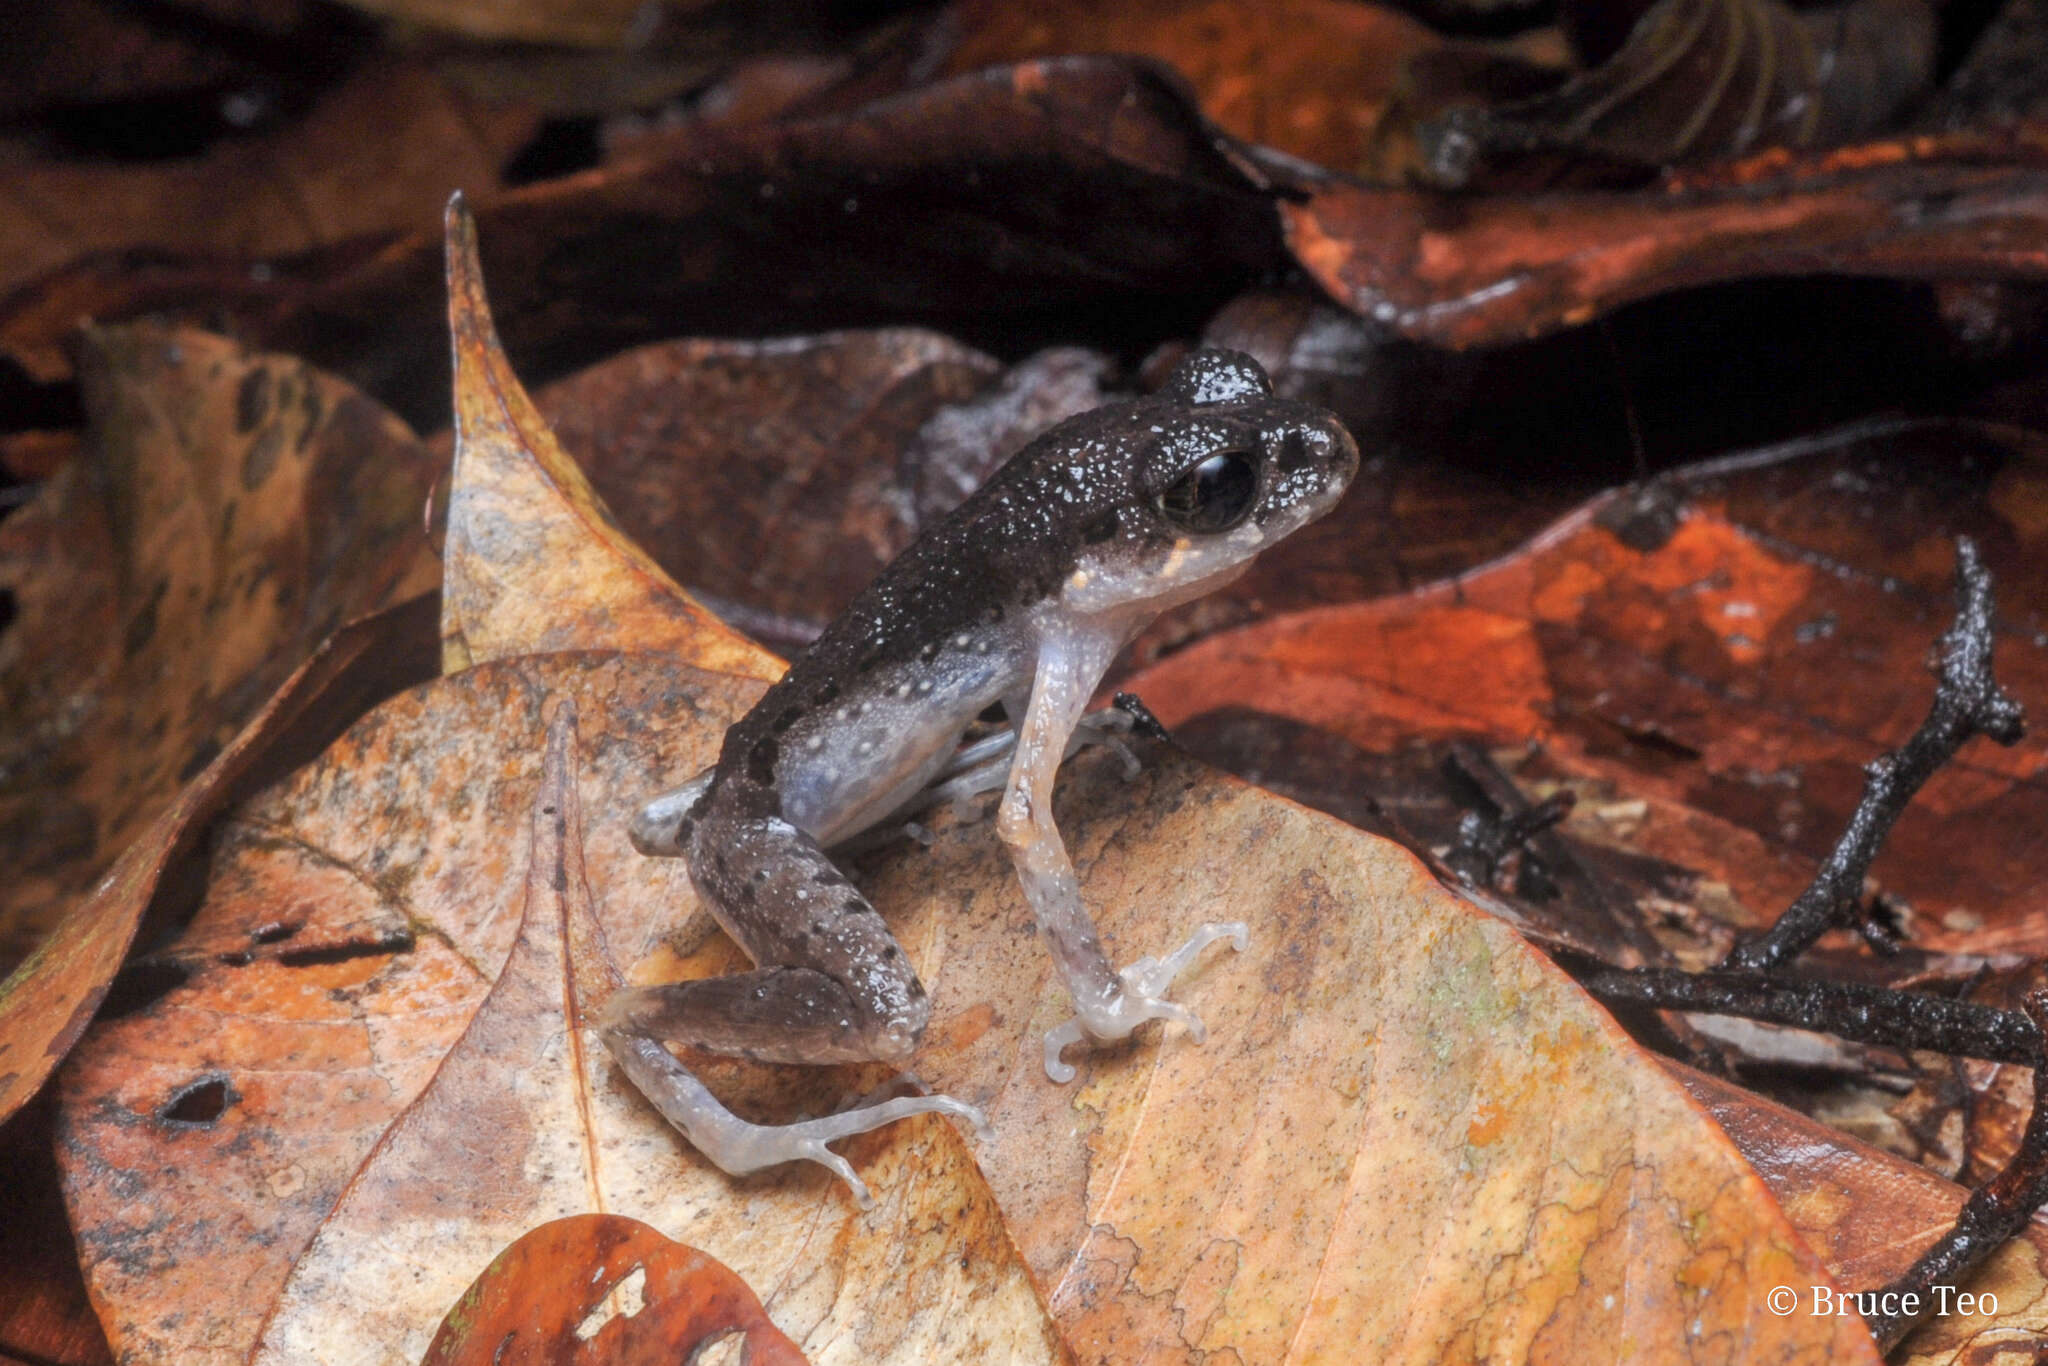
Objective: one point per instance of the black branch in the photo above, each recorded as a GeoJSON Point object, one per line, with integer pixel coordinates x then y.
{"type": "Point", "coordinates": [1848, 1010]}
{"type": "Point", "coordinates": [1967, 702]}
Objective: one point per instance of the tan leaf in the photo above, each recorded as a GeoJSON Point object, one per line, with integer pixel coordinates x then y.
{"type": "Point", "coordinates": [526, 1120]}
{"type": "Point", "coordinates": [535, 561]}
{"type": "Point", "coordinates": [322, 1051]}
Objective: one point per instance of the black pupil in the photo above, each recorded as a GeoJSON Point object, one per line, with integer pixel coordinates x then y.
{"type": "Point", "coordinates": [1214, 495]}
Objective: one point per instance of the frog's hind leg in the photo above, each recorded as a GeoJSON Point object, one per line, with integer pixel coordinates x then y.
{"type": "Point", "coordinates": [833, 986]}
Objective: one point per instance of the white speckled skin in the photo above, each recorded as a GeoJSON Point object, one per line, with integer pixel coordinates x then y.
{"type": "Point", "coordinates": [1023, 595]}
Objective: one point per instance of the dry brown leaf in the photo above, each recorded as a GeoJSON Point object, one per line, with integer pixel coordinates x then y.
{"type": "Point", "coordinates": [230, 510]}
{"type": "Point", "coordinates": [526, 1120]}
{"type": "Point", "coordinates": [311, 1057]}
{"type": "Point", "coordinates": [378, 153]}
{"type": "Point", "coordinates": [535, 561]}
{"type": "Point", "coordinates": [1310, 77]}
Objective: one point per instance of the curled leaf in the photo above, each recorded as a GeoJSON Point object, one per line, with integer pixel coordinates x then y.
{"type": "Point", "coordinates": [1699, 80]}
{"type": "Point", "coordinates": [1489, 269]}
{"type": "Point", "coordinates": [535, 561]}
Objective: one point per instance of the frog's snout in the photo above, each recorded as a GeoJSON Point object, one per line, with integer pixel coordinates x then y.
{"type": "Point", "coordinates": [1317, 458]}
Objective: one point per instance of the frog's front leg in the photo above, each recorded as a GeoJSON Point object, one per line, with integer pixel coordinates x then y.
{"type": "Point", "coordinates": [1108, 1004]}
{"type": "Point", "coordinates": [833, 986]}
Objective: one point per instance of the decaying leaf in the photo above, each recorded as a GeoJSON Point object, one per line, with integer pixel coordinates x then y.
{"type": "Point", "coordinates": [1700, 80]}
{"type": "Point", "coordinates": [1309, 77]}
{"type": "Point", "coordinates": [229, 511]}
{"type": "Point", "coordinates": [1869, 1214]}
{"type": "Point", "coordinates": [825, 222]}
{"type": "Point", "coordinates": [602, 1290]}
{"type": "Point", "coordinates": [496, 1144]}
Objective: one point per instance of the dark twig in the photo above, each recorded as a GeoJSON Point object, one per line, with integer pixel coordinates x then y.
{"type": "Point", "coordinates": [1994, 1213]}
{"type": "Point", "coordinates": [1849, 1010]}
{"type": "Point", "coordinates": [1967, 702]}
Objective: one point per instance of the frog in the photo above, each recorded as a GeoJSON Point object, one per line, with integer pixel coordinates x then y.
{"type": "Point", "coordinates": [1022, 597]}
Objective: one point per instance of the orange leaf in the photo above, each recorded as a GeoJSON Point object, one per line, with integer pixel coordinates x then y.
{"type": "Point", "coordinates": [601, 1290]}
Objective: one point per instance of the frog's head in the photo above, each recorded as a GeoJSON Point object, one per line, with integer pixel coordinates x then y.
{"type": "Point", "coordinates": [1219, 470]}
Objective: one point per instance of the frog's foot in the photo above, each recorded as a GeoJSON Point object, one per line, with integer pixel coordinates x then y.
{"type": "Point", "coordinates": [913, 1084]}
{"type": "Point", "coordinates": [1142, 998]}
{"type": "Point", "coordinates": [739, 1147]}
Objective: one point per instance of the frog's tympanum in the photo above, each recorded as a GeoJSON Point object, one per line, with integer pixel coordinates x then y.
{"type": "Point", "coordinates": [1022, 596]}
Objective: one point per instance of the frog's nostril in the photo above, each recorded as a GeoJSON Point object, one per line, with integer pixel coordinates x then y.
{"type": "Point", "coordinates": [1294, 451]}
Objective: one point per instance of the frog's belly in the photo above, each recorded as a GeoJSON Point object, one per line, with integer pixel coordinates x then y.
{"type": "Point", "coordinates": [857, 762]}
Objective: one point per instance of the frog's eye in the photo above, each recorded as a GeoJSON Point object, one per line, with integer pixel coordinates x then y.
{"type": "Point", "coordinates": [1214, 495]}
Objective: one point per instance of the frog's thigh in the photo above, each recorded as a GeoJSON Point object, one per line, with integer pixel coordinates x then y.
{"type": "Point", "coordinates": [833, 985]}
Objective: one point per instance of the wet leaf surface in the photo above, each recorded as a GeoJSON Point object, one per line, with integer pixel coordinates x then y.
{"type": "Point", "coordinates": [600, 1288]}
{"type": "Point", "coordinates": [1473, 272]}
{"type": "Point", "coordinates": [229, 510]}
